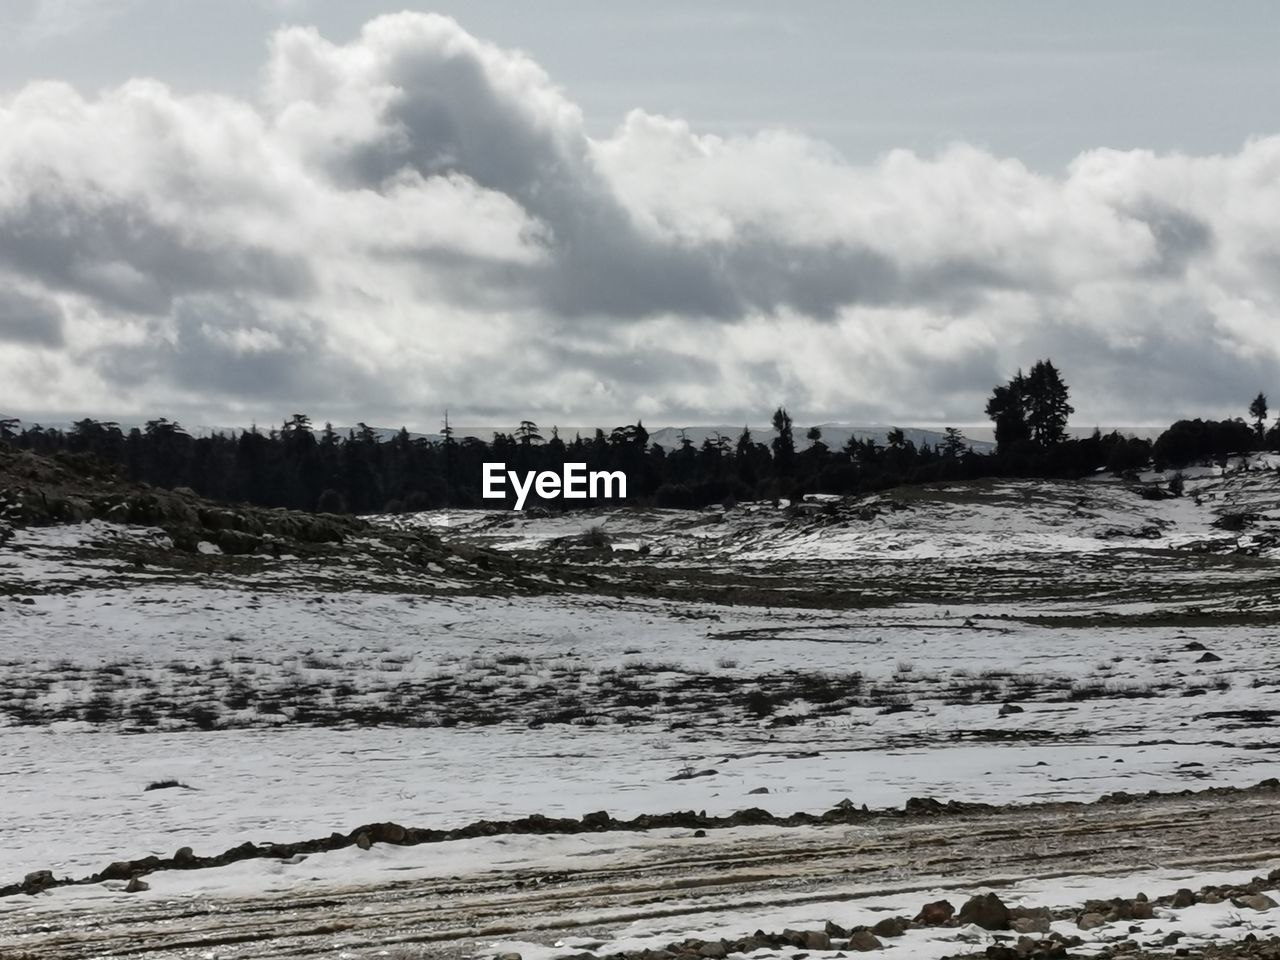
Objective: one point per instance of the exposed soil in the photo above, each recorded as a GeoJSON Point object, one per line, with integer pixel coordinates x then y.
{"type": "Point", "coordinates": [694, 875]}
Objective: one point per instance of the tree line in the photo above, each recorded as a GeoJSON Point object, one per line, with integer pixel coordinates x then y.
{"type": "Point", "coordinates": [358, 471]}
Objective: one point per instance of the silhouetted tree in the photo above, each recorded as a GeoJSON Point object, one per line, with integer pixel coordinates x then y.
{"type": "Point", "coordinates": [1258, 410]}
{"type": "Point", "coordinates": [1045, 397]}
{"type": "Point", "coordinates": [953, 444]}
{"type": "Point", "coordinates": [1007, 410]}
{"type": "Point", "coordinates": [784, 445]}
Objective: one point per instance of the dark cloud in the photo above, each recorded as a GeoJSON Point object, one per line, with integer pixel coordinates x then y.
{"type": "Point", "coordinates": [119, 253]}
{"type": "Point", "coordinates": [1180, 237]}
{"type": "Point", "coordinates": [29, 320]}
{"type": "Point", "coordinates": [223, 349]}
{"type": "Point", "coordinates": [1177, 368]}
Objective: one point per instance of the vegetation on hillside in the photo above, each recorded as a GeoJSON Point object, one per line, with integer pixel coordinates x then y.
{"type": "Point", "coordinates": [299, 467]}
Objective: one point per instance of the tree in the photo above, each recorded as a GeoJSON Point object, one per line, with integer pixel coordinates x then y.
{"type": "Point", "coordinates": [1006, 408]}
{"type": "Point", "coordinates": [953, 444]}
{"type": "Point", "coordinates": [1258, 410]}
{"type": "Point", "coordinates": [1031, 407]}
{"type": "Point", "coordinates": [527, 433]}
{"type": "Point", "coordinates": [1046, 404]}
{"type": "Point", "coordinates": [784, 444]}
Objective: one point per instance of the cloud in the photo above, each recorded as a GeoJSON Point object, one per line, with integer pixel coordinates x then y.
{"type": "Point", "coordinates": [417, 218]}
{"type": "Point", "coordinates": [25, 319]}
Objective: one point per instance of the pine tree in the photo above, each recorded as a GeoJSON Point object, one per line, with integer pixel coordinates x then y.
{"type": "Point", "coordinates": [1258, 410]}
{"type": "Point", "coordinates": [1006, 408]}
{"type": "Point", "coordinates": [527, 433]}
{"type": "Point", "coordinates": [953, 444]}
{"type": "Point", "coordinates": [1031, 407]}
{"type": "Point", "coordinates": [1046, 403]}
{"type": "Point", "coordinates": [784, 444]}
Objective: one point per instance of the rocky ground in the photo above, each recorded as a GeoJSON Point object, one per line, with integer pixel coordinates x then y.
{"type": "Point", "coordinates": [931, 880]}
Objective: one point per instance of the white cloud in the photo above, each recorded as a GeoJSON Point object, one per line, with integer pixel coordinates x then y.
{"type": "Point", "coordinates": [419, 218]}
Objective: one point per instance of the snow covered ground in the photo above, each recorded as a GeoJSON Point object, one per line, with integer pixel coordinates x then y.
{"type": "Point", "coordinates": [1002, 642]}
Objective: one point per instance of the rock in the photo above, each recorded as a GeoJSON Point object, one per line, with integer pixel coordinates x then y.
{"type": "Point", "coordinates": [184, 856]}
{"type": "Point", "coordinates": [699, 834]}
{"type": "Point", "coordinates": [936, 914]}
{"type": "Point", "coordinates": [714, 951]}
{"type": "Point", "coordinates": [758, 790]}
{"type": "Point", "coordinates": [1140, 910]}
{"type": "Point", "coordinates": [1091, 921]}
{"type": "Point", "coordinates": [1029, 924]}
{"type": "Point", "coordinates": [363, 841]}
{"type": "Point", "coordinates": [987, 911]}
{"type": "Point", "coordinates": [1010, 708]}
{"type": "Point", "coordinates": [1172, 937]}
{"type": "Point", "coordinates": [864, 941]}
{"type": "Point", "coordinates": [817, 940]}
{"type": "Point", "coordinates": [1208, 658]}
{"type": "Point", "coordinates": [1026, 946]}
{"type": "Point", "coordinates": [1211, 896]}
{"type": "Point", "coordinates": [891, 927]}
{"type": "Point", "coordinates": [837, 931]}
{"type": "Point", "coordinates": [1183, 899]}
{"type": "Point", "coordinates": [236, 542]}
{"type": "Point", "coordinates": [386, 833]}
{"type": "Point", "coordinates": [136, 886]}
{"type": "Point", "coordinates": [599, 820]}
{"type": "Point", "coordinates": [1254, 901]}
{"type": "Point", "coordinates": [794, 937]}
{"type": "Point", "coordinates": [923, 805]}
{"type": "Point", "coordinates": [37, 880]}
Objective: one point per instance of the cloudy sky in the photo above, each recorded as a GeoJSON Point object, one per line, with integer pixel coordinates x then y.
{"type": "Point", "coordinates": [232, 210]}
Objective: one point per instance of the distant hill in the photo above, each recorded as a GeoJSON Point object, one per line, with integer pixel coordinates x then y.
{"type": "Point", "coordinates": [987, 433]}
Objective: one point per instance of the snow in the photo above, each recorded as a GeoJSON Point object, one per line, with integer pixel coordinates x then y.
{"type": "Point", "coordinates": [1200, 923]}
{"type": "Point", "coordinates": [1083, 604]}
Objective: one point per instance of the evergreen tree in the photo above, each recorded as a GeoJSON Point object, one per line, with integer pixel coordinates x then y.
{"type": "Point", "coordinates": [527, 433]}
{"type": "Point", "coordinates": [1045, 396]}
{"type": "Point", "coordinates": [784, 444]}
{"type": "Point", "coordinates": [1007, 409]}
{"type": "Point", "coordinates": [1258, 410]}
{"type": "Point", "coordinates": [1031, 407]}
{"type": "Point", "coordinates": [953, 444]}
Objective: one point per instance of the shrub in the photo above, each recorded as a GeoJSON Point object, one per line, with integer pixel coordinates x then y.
{"type": "Point", "coordinates": [166, 785]}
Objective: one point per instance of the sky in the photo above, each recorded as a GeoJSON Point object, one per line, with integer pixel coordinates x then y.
{"type": "Point", "coordinates": [227, 212]}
